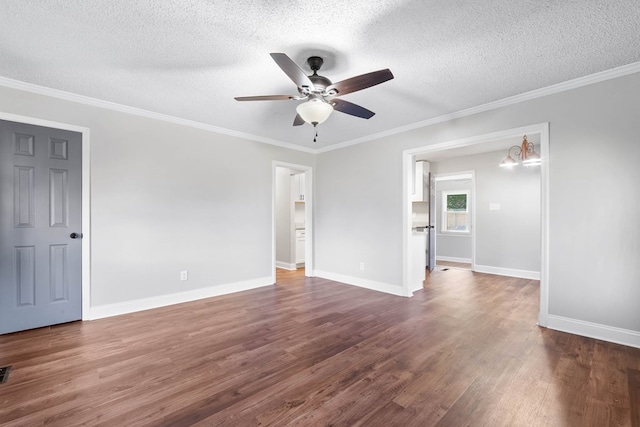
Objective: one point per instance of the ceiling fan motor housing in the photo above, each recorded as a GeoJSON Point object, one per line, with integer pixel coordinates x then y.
{"type": "Point", "coordinates": [315, 62]}
{"type": "Point", "coordinates": [320, 83]}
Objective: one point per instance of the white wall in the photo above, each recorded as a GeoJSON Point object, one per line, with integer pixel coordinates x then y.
{"type": "Point", "coordinates": [166, 198]}
{"type": "Point", "coordinates": [594, 249]}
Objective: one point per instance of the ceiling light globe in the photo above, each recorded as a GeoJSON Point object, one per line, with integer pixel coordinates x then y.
{"type": "Point", "coordinates": [508, 162]}
{"type": "Point", "coordinates": [314, 111]}
{"type": "Point", "coordinates": [532, 159]}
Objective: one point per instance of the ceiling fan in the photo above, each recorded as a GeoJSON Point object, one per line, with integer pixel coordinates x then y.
{"type": "Point", "coordinates": [319, 92]}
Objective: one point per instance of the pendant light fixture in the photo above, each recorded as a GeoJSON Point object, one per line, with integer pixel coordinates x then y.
{"type": "Point", "coordinates": [526, 153]}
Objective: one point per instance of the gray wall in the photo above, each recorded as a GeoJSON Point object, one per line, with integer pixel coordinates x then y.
{"type": "Point", "coordinates": [358, 214]}
{"type": "Point", "coordinates": [166, 198]}
{"type": "Point", "coordinates": [508, 238]}
{"type": "Point", "coordinates": [594, 250]}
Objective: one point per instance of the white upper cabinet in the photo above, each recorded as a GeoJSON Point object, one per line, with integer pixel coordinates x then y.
{"type": "Point", "coordinates": [420, 178]}
{"type": "Point", "coordinates": [298, 187]}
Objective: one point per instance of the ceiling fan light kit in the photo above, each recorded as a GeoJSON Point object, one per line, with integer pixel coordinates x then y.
{"type": "Point", "coordinates": [314, 111]}
{"type": "Point", "coordinates": [320, 93]}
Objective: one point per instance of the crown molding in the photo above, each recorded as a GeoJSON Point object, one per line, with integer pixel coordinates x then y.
{"type": "Point", "coordinates": [95, 102]}
{"type": "Point", "coordinates": [534, 94]}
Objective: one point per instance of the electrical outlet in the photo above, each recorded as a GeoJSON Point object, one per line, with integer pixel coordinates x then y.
{"type": "Point", "coordinates": [361, 266]}
{"type": "Point", "coordinates": [184, 275]}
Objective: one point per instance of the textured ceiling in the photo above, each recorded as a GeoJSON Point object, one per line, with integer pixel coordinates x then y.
{"type": "Point", "coordinates": [189, 58]}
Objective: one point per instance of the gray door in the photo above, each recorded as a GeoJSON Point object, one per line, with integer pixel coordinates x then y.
{"type": "Point", "coordinates": [40, 208]}
{"type": "Point", "coordinates": [431, 241]}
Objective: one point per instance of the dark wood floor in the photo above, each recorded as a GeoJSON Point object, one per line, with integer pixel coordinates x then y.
{"type": "Point", "coordinates": [311, 352]}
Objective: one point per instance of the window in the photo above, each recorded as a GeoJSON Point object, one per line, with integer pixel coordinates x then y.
{"type": "Point", "coordinates": [455, 212]}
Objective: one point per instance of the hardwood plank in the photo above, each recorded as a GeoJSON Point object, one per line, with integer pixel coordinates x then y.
{"type": "Point", "coordinates": [608, 381]}
{"type": "Point", "coordinates": [634, 396]}
{"type": "Point", "coordinates": [532, 379]}
{"type": "Point", "coordinates": [465, 350]}
{"type": "Point", "coordinates": [479, 401]}
{"type": "Point", "coordinates": [597, 413]}
{"type": "Point", "coordinates": [566, 396]}
{"type": "Point", "coordinates": [329, 377]}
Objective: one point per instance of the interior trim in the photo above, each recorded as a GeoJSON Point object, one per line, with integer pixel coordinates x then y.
{"type": "Point", "coordinates": [286, 265]}
{"type": "Point", "coordinates": [125, 307]}
{"type": "Point", "coordinates": [595, 330]}
{"type": "Point", "coordinates": [95, 102]}
{"type": "Point", "coordinates": [451, 259]}
{"type": "Point", "coordinates": [534, 94]}
{"type": "Point", "coordinates": [308, 215]}
{"type": "Point", "coordinates": [511, 272]}
{"type": "Point", "coordinates": [537, 93]}
{"type": "Point", "coordinates": [364, 283]}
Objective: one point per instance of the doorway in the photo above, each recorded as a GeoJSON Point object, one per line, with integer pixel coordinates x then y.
{"type": "Point", "coordinates": [479, 144]}
{"type": "Point", "coordinates": [292, 219]}
{"type": "Point", "coordinates": [86, 196]}
{"type": "Point", "coordinates": [455, 220]}
{"type": "Point", "coordinates": [42, 275]}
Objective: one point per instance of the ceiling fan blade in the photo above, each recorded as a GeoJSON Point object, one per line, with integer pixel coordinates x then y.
{"type": "Point", "coordinates": [360, 82]}
{"type": "Point", "coordinates": [291, 69]}
{"type": "Point", "coordinates": [298, 121]}
{"type": "Point", "coordinates": [351, 108]}
{"type": "Point", "coordinates": [264, 98]}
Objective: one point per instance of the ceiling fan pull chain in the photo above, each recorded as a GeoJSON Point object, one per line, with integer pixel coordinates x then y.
{"type": "Point", "coordinates": [315, 138]}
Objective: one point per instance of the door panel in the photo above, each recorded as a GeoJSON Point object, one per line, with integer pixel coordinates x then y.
{"type": "Point", "coordinates": [59, 268]}
{"type": "Point", "coordinates": [24, 207]}
{"type": "Point", "coordinates": [25, 275]}
{"type": "Point", "coordinates": [58, 198]}
{"type": "Point", "coordinates": [40, 206]}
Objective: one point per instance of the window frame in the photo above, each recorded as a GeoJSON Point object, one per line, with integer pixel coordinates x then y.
{"type": "Point", "coordinates": [444, 211]}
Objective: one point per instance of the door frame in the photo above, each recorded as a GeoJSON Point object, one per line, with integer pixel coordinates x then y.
{"type": "Point", "coordinates": [452, 176]}
{"type": "Point", "coordinates": [308, 215]}
{"type": "Point", "coordinates": [407, 158]}
{"type": "Point", "coordinates": [86, 197]}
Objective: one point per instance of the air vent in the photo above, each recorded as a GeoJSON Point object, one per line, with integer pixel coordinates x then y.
{"type": "Point", "coordinates": [4, 374]}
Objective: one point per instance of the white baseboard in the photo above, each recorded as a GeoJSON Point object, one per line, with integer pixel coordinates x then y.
{"type": "Point", "coordinates": [285, 265]}
{"type": "Point", "coordinates": [418, 287]}
{"type": "Point", "coordinates": [363, 283]}
{"type": "Point", "coordinates": [453, 259]}
{"type": "Point", "coordinates": [512, 272]}
{"type": "Point", "coordinates": [594, 330]}
{"type": "Point", "coordinates": [108, 310]}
